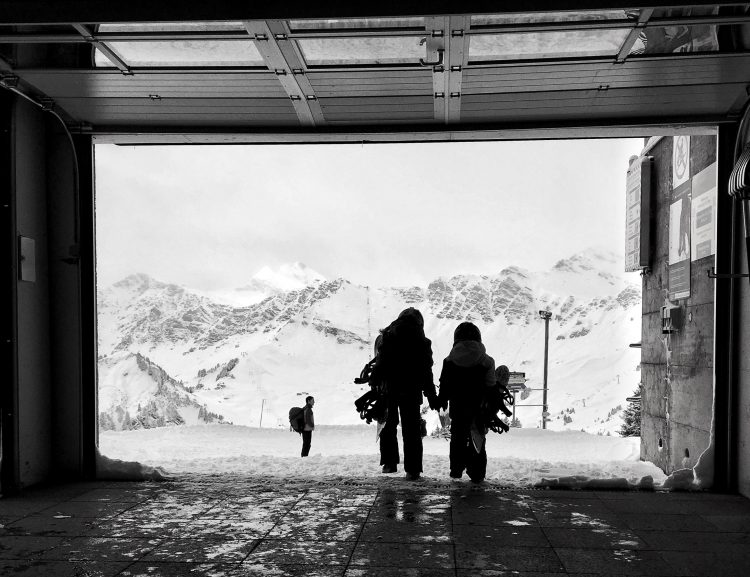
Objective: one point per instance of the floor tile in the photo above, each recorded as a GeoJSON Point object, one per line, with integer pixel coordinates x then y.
{"type": "Point", "coordinates": [354, 571]}
{"type": "Point", "coordinates": [728, 522]}
{"type": "Point", "coordinates": [100, 549]}
{"type": "Point", "coordinates": [615, 562]}
{"type": "Point", "coordinates": [709, 564]}
{"type": "Point", "coordinates": [493, 557]}
{"type": "Point", "coordinates": [217, 550]}
{"type": "Point", "coordinates": [696, 541]}
{"type": "Point", "coordinates": [504, 536]}
{"type": "Point", "coordinates": [96, 509]}
{"type": "Point", "coordinates": [27, 546]}
{"type": "Point", "coordinates": [418, 555]}
{"type": "Point", "coordinates": [57, 525]}
{"type": "Point", "coordinates": [593, 538]}
{"type": "Point", "coordinates": [652, 522]}
{"type": "Point", "coordinates": [392, 531]}
{"type": "Point", "coordinates": [179, 569]}
{"type": "Point", "coordinates": [60, 568]}
{"type": "Point", "coordinates": [277, 570]}
{"type": "Point", "coordinates": [289, 552]}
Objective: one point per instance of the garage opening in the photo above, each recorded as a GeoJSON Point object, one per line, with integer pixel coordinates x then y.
{"type": "Point", "coordinates": [235, 281]}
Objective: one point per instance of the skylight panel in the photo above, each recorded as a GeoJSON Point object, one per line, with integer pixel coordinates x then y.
{"type": "Point", "coordinates": [356, 23]}
{"type": "Point", "coordinates": [225, 26]}
{"type": "Point", "coordinates": [676, 39]}
{"type": "Point", "coordinates": [184, 53]}
{"type": "Point", "coordinates": [550, 17]}
{"type": "Point", "coordinates": [542, 45]}
{"type": "Point", "coordinates": [364, 51]}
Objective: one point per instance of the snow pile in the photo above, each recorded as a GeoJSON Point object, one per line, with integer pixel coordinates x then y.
{"type": "Point", "coordinates": [521, 458]}
{"type": "Point", "coordinates": [118, 470]}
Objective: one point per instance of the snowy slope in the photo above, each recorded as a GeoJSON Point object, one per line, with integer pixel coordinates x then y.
{"type": "Point", "coordinates": [265, 357]}
{"type": "Point", "coordinates": [136, 393]}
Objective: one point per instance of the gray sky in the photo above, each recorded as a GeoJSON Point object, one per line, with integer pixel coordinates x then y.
{"type": "Point", "coordinates": [210, 217]}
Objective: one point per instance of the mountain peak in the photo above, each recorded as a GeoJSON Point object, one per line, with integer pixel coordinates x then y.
{"type": "Point", "coordinates": [139, 281]}
{"type": "Point", "coordinates": [587, 260]}
{"type": "Point", "coordinates": [288, 277]}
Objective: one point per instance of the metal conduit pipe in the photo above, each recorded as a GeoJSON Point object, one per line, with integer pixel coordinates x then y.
{"type": "Point", "coordinates": [8, 82]}
{"type": "Point", "coordinates": [729, 434]}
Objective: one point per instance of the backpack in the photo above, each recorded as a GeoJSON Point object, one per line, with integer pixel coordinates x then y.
{"type": "Point", "coordinates": [297, 419]}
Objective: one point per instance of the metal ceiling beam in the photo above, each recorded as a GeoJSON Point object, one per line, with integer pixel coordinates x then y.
{"type": "Point", "coordinates": [89, 37]}
{"type": "Point", "coordinates": [281, 56]}
{"type": "Point", "coordinates": [458, 58]}
{"type": "Point", "coordinates": [19, 12]}
{"type": "Point", "coordinates": [435, 48]}
{"type": "Point", "coordinates": [612, 128]}
{"type": "Point", "coordinates": [448, 54]}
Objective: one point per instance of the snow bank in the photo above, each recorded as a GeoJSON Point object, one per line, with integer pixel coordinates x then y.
{"type": "Point", "coordinates": [521, 458]}
{"type": "Point", "coordinates": [117, 470]}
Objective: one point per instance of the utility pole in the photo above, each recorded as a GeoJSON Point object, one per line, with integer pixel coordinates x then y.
{"type": "Point", "coordinates": [263, 404]}
{"type": "Point", "coordinates": [546, 316]}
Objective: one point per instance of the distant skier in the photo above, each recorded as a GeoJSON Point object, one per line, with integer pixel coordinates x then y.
{"type": "Point", "coordinates": [403, 372]}
{"type": "Point", "coordinates": [468, 374]}
{"type": "Point", "coordinates": [309, 425]}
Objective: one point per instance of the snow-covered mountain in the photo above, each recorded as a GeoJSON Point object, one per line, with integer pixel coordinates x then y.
{"type": "Point", "coordinates": [308, 335]}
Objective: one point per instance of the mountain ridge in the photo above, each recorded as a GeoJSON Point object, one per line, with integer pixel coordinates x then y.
{"type": "Point", "coordinates": [317, 337]}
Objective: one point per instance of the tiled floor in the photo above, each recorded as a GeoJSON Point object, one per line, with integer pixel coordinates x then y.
{"type": "Point", "coordinates": [242, 527]}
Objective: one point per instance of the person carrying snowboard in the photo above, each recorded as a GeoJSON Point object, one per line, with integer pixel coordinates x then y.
{"type": "Point", "coordinates": [309, 421]}
{"type": "Point", "coordinates": [468, 373]}
{"type": "Point", "coordinates": [403, 373]}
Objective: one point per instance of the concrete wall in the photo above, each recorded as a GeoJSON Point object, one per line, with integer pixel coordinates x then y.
{"type": "Point", "coordinates": [677, 371]}
{"type": "Point", "coordinates": [33, 412]}
{"type": "Point", "coordinates": [52, 437]}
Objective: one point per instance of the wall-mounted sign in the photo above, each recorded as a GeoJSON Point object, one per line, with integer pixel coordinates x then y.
{"type": "Point", "coordinates": [703, 213]}
{"type": "Point", "coordinates": [679, 242]}
{"type": "Point", "coordinates": [680, 160]}
{"type": "Point", "coordinates": [637, 205]}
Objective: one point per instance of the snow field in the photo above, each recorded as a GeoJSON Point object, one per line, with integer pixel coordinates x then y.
{"type": "Point", "coordinates": [521, 458]}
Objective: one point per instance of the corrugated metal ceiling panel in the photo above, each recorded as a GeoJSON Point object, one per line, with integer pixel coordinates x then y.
{"type": "Point", "coordinates": [182, 111]}
{"type": "Point", "coordinates": [98, 83]}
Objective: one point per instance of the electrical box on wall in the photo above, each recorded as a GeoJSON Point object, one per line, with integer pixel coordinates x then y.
{"type": "Point", "coordinates": [27, 259]}
{"type": "Point", "coordinates": [671, 319]}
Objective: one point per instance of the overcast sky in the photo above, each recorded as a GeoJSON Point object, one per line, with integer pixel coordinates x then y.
{"type": "Point", "coordinates": [209, 217]}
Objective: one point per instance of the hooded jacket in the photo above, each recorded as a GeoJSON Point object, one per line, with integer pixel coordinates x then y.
{"type": "Point", "coordinates": [405, 361]}
{"type": "Point", "coordinates": [467, 371]}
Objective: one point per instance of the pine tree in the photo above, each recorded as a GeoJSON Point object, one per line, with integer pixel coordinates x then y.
{"type": "Point", "coordinates": [631, 416]}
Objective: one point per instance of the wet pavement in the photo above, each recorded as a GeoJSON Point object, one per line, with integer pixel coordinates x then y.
{"type": "Point", "coordinates": [233, 527]}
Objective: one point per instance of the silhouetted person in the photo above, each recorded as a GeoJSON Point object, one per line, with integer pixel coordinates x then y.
{"type": "Point", "coordinates": [467, 375]}
{"type": "Point", "coordinates": [404, 374]}
{"type": "Point", "coordinates": [309, 420]}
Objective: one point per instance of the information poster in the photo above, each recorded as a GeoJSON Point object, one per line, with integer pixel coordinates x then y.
{"type": "Point", "coordinates": [703, 213]}
{"type": "Point", "coordinates": [679, 242]}
{"type": "Point", "coordinates": [680, 160]}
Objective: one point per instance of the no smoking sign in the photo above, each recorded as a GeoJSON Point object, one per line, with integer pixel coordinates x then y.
{"type": "Point", "coordinates": [680, 160]}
